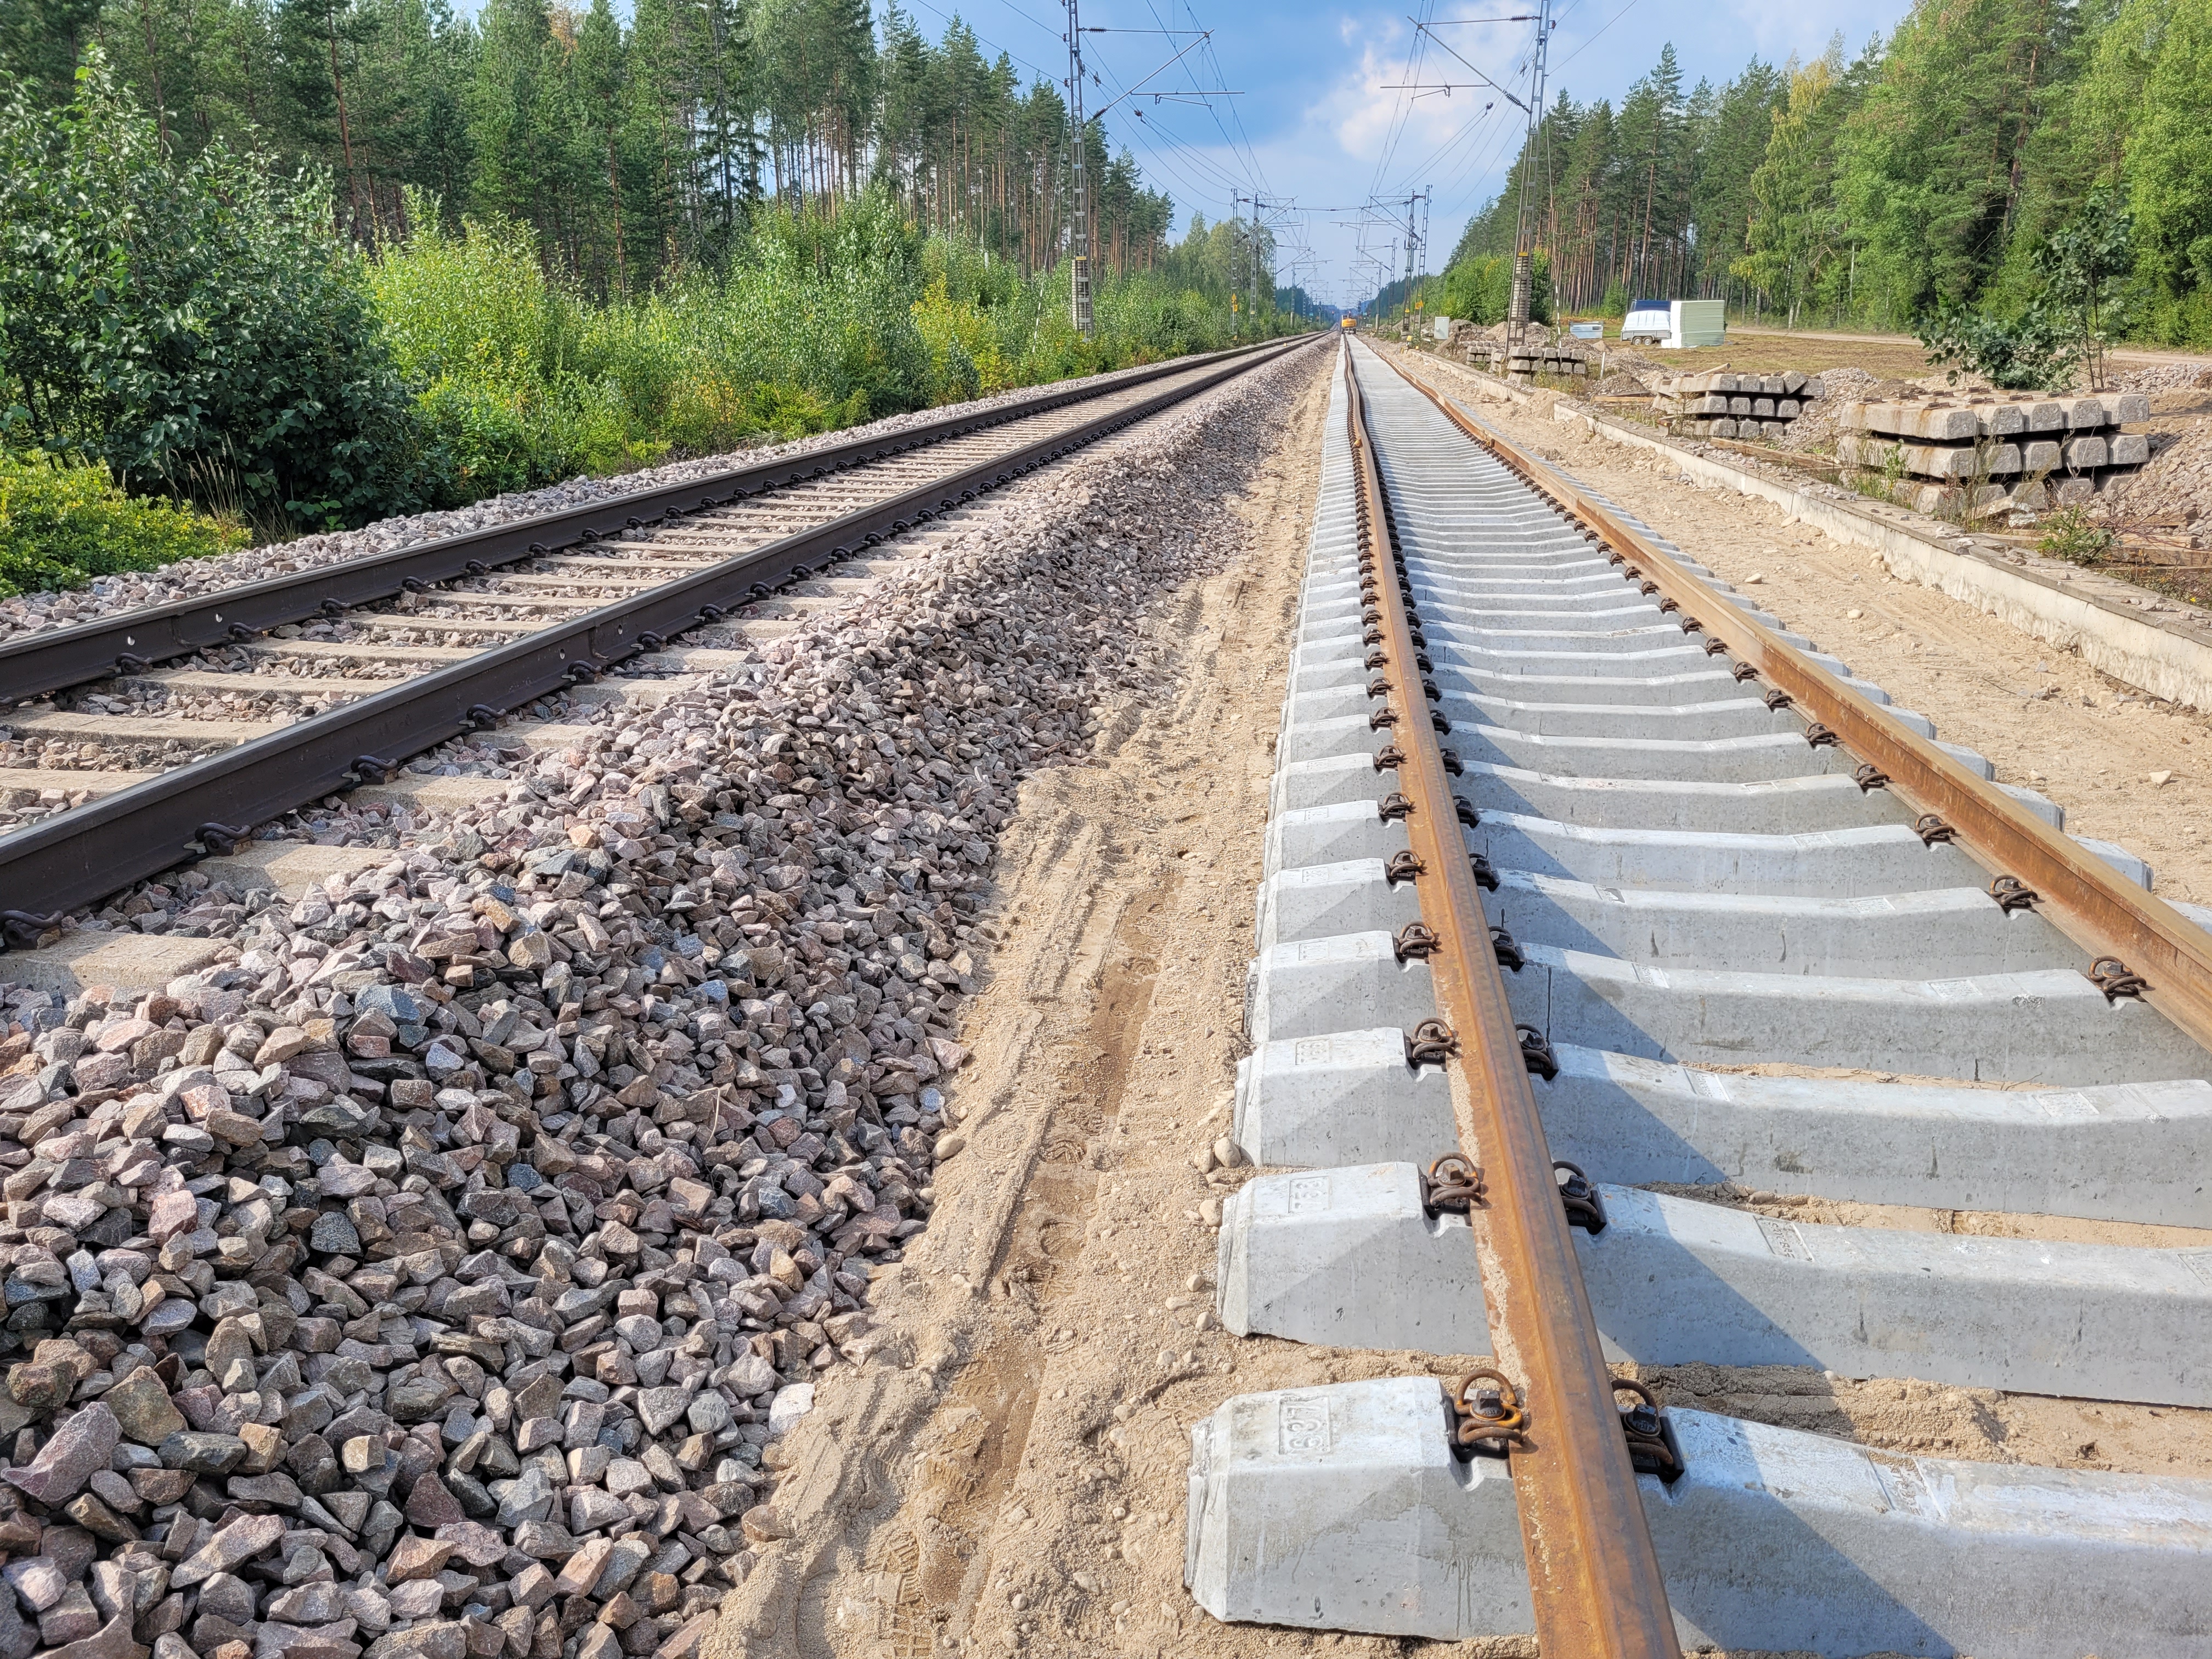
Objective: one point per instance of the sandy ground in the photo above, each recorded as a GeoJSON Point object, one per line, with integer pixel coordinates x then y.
{"type": "Point", "coordinates": [1773, 354]}
{"type": "Point", "coordinates": [1764, 352]}
{"type": "Point", "coordinates": [1007, 1476]}
{"type": "Point", "coordinates": [2133, 355]}
{"type": "Point", "coordinates": [1022, 1470]}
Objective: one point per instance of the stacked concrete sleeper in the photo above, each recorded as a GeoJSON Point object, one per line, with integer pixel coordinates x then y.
{"type": "Point", "coordinates": [1690, 885]}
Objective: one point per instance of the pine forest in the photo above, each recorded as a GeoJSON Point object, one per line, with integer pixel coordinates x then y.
{"type": "Point", "coordinates": [1927, 174]}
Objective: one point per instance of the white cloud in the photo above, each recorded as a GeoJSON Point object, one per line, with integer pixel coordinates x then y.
{"type": "Point", "coordinates": [1368, 103]}
{"type": "Point", "coordinates": [1777, 32]}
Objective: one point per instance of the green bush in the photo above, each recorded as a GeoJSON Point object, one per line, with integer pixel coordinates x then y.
{"type": "Point", "coordinates": [1480, 291]}
{"type": "Point", "coordinates": [62, 525]}
{"type": "Point", "coordinates": [486, 436]}
{"type": "Point", "coordinates": [2025, 352]}
{"type": "Point", "coordinates": [823, 319]}
{"type": "Point", "coordinates": [195, 325]}
{"type": "Point", "coordinates": [525, 380]}
{"type": "Point", "coordinates": [2064, 328]}
{"type": "Point", "coordinates": [2072, 535]}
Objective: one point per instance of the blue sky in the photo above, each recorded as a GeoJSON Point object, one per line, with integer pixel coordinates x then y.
{"type": "Point", "coordinates": [1320, 121]}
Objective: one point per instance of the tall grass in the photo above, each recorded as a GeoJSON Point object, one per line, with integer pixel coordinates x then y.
{"type": "Point", "coordinates": [821, 318]}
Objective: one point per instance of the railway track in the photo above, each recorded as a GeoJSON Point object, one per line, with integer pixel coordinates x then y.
{"type": "Point", "coordinates": [1590, 884]}
{"type": "Point", "coordinates": [140, 741]}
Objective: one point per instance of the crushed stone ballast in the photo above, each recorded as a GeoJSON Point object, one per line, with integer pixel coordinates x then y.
{"type": "Point", "coordinates": [464, 654]}
{"type": "Point", "coordinates": [430, 1273]}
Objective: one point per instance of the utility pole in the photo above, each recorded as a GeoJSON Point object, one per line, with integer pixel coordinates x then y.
{"type": "Point", "coordinates": [1421, 279]}
{"type": "Point", "coordinates": [1524, 261]}
{"type": "Point", "coordinates": [1416, 240]}
{"type": "Point", "coordinates": [1254, 273]}
{"type": "Point", "coordinates": [1301, 296]}
{"type": "Point", "coordinates": [1256, 205]}
{"type": "Point", "coordinates": [1079, 243]}
{"type": "Point", "coordinates": [1235, 261]}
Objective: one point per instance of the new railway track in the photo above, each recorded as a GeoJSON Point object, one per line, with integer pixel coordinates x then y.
{"type": "Point", "coordinates": [1589, 883]}
{"type": "Point", "coordinates": [352, 670]}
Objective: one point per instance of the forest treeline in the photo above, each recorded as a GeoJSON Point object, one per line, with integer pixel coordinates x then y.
{"type": "Point", "coordinates": [307, 263]}
{"type": "Point", "coordinates": [630, 145]}
{"type": "Point", "coordinates": [1926, 176]}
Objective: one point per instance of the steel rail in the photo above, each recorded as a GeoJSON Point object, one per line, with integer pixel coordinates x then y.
{"type": "Point", "coordinates": [1593, 1574]}
{"type": "Point", "coordinates": [79, 857]}
{"type": "Point", "coordinates": [132, 641]}
{"type": "Point", "coordinates": [2159, 955]}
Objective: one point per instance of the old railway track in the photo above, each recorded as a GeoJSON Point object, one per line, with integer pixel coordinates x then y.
{"type": "Point", "coordinates": [348, 672]}
{"type": "Point", "coordinates": [1588, 882]}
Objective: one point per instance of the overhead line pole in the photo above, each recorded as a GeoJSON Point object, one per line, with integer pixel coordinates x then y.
{"type": "Point", "coordinates": [1236, 260]}
{"type": "Point", "coordinates": [1261, 204]}
{"type": "Point", "coordinates": [1524, 261]}
{"type": "Point", "coordinates": [1252, 300]}
{"type": "Point", "coordinates": [1415, 225]}
{"type": "Point", "coordinates": [1079, 246]}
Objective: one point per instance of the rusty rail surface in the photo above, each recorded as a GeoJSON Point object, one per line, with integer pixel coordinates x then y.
{"type": "Point", "coordinates": [2139, 945]}
{"type": "Point", "coordinates": [1592, 1575]}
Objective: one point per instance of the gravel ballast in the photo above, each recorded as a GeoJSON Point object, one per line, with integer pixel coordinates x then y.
{"type": "Point", "coordinates": [428, 1276]}
{"type": "Point", "coordinates": [104, 596]}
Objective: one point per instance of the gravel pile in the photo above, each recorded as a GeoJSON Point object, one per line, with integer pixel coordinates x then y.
{"type": "Point", "coordinates": [427, 1277]}
{"type": "Point", "coordinates": [1627, 360]}
{"type": "Point", "coordinates": [32, 613]}
{"type": "Point", "coordinates": [1816, 428]}
{"type": "Point", "coordinates": [2164, 377]}
{"type": "Point", "coordinates": [2173, 490]}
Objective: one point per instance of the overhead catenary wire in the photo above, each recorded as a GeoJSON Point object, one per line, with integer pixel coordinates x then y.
{"type": "Point", "coordinates": [1529, 64]}
{"type": "Point", "coordinates": [1223, 181]}
{"type": "Point", "coordinates": [1592, 40]}
{"type": "Point", "coordinates": [1215, 191]}
{"type": "Point", "coordinates": [1415, 84]}
{"type": "Point", "coordinates": [1219, 173]}
{"type": "Point", "coordinates": [1214, 171]}
{"type": "Point", "coordinates": [1258, 177]}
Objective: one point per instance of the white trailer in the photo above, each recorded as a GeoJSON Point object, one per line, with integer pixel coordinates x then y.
{"type": "Point", "coordinates": [1675, 325]}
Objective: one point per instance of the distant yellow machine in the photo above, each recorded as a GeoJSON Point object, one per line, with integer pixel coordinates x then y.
{"type": "Point", "coordinates": [1345, 324]}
